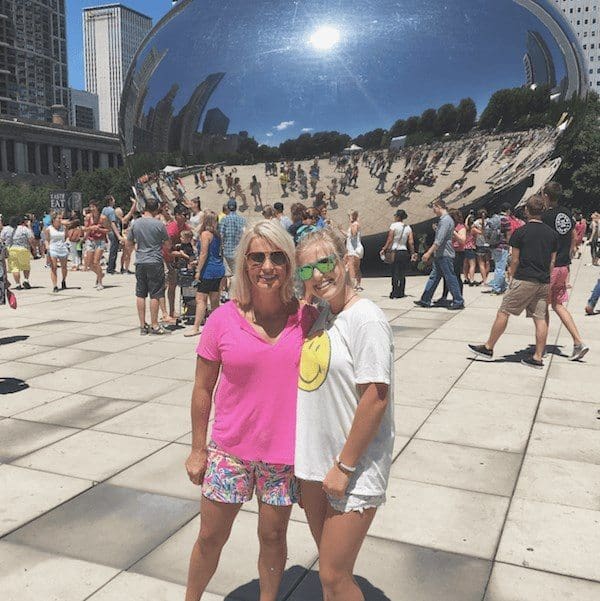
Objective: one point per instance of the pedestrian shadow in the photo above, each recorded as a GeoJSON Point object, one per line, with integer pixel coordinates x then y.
{"type": "Point", "coordinates": [302, 585]}
{"type": "Point", "coordinates": [12, 385]}
{"type": "Point", "coordinates": [13, 339]}
{"type": "Point", "coordinates": [517, 356]}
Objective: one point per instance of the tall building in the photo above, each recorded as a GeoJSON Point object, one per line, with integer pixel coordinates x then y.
{"type": "Point", "coordinates": [83, 109]}
{"type": "Point", "coordinates": [584, 17]}
{"type": "Point", "coordinates": [216, 123]}
{"type": "Point", "coordinates": [539, 64]}
{"type": "Point", "coordinates": [112, 35]}
{"type": "Point", "coordinates": [33, 58]}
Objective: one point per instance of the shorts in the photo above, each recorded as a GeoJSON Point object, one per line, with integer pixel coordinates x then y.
{"type": "Point", "coordinates": [482, 251]}
{"type": "Point", "coordinates": [149, 280]}
{"type": "Point", "coordinates": [470, 253]}
{"type": "Point", "coordinates": [531, 296]}
{"type": "Point", "coordinates": [558, 286]}
{"type": "Point", "coordinates": [94, 245]}
{"type": "Point", "coordinates": [209, 285]}
{"type": "Point", "coordinates": [61, 254]}
{"type": "Point", "coordinates": [352, 502]}
{"type": "Point", "coordinates": [19, 259]}
{"type": "Point", "coordinates": [229, 479]}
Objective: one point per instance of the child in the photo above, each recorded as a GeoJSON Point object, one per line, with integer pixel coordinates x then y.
{"type": "Point", "coordinates": [187, 257]}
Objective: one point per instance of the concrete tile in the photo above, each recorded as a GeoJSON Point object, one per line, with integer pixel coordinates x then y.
{"type": "Point", "coordinates": [26, 494]}
{"type": "Point", "coordinates": [125, 362]}
{"type": "Point", "coordinates": [497, 420]}
{"type": "Point", "coordinates": [109, 344]}
{"type": "Point", "coordinates": [388, 570]}
{"type": "Point", "coordinates": [162, 473]}
{"type": "Point", "coordinates": [107, 329]}
{"type": "Point", "coordinates": [570, 413]}
{"type": "Point", "coordinates": [181, 396]}
{"type": "Point", "coordinates": [553, 538]}
{"type": "Point", "coordinates": [400, 443]}
{"type": "Point", "coordinates": [409, 419]}
{"type": "Point", "coordinates": [563, 442]}
{"type": "Point", "coordinates": [411, 389]}
{"type": "Point", "coordinates": [511, 378]}
{"type": "Point", "coordinates": [61, 340]}
{"type": "Point", "coordinates": [135, 587]}
{"type": "Point", "coordinates": [568, 384]}
{"type": "Point", "coordinates": [64, 357]}
{"type": "Point", "coordinates": [21, 437]}
{"type": "Point", "coordinates": [437, 517]}
{"type": "Point", "coordinates": [11, 404]}
{"type": "Point", "coordinates": [134, 387]}
{"type": "Point", "coordinates": [18, 350]}
{"type": "Point", "coordinates": [70, 379]}
{"type": "Point", "coordinates": [176, 369]}
{"type": "Point", "coordinates": [27, 574]}
{"type": "Point", "coordinates": [469, 468]}
{"type": "Point", "coordinates": [513, 583]}
{"type": "Point", "coordinates": [169, 561]}
{"type": "Point", "coordinates": [150, 420]}
{"type": "Point", "coordinates": [559, 481]}
{"type": "Point", "coordinates": [23, 371]}
{"type": "Point", "coordinates": [124, 525]}
{"type": "Point", "coordinates": [90, 455]}
{"type": "Point", "coordinates": [77, 410]}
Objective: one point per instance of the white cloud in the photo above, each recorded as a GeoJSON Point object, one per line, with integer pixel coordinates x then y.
{"type": "Point", "coordinates": [307, 129]}
{"type": "Point", "coordinates": [284, 125]}
{"type": "Point", "coordinates": [269, 135]}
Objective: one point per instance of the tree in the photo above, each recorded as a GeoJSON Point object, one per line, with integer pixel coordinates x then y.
{"type": "Point", "coordinates": [466, 115]}
{"type": "Point", "coordinates": [427, 120]}
{"type": "Point", "coordinates": [412, 125]}
{"type": "Point", "coordinates": [447, 120]}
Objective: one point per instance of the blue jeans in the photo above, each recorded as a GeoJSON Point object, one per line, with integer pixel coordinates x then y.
{"type": "Point", "coordinates": [500, 256]}
{"type": "Point", "coordinates": [443, 267]}
{"type": "Point", "coordinates": [595, 295]}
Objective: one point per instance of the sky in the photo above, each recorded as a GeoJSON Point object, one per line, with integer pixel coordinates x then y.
{"type": "Point", "coordinates": [153, 8]}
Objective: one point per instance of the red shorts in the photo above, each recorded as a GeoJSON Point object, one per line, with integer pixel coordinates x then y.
{"type": "Point", "coordinates": [558, 286]}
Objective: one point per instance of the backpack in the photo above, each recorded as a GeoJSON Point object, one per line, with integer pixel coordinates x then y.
{"type": "Point", "coordinates": [492, 230]}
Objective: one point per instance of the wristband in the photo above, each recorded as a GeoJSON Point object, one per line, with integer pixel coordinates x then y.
{"type": "Point", "coordinates": [345, 468]}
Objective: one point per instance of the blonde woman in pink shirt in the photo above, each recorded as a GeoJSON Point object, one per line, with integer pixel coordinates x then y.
{"type": "Point", "coordinates": [249, 357]}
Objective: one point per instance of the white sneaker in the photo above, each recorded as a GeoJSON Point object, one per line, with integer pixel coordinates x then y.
{"type": "Point", "coordinates": [99, 287]}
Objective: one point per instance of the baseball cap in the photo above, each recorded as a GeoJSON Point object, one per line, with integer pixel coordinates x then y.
{"type": "Point", "coordinates": [232, 205]}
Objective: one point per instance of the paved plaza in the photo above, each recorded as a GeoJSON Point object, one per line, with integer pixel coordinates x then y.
{"type": "Point", "coordinates": [495, 488]}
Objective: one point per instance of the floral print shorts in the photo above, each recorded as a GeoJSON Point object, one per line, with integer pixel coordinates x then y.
{"type": "Point", "coordinates": [229, 479]}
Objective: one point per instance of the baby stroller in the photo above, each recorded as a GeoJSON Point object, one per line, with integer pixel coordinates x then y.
{"type": "Point", "coordinates": [187, 296]}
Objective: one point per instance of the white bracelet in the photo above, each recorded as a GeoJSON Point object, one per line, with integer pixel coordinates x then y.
{"type": "Point", "coordinates": [344, 466]}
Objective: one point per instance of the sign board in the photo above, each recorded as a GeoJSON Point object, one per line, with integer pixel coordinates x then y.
{"type": "Point", "coordinates": [65, 202]}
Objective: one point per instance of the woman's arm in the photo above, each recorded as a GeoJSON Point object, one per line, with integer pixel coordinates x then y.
{"type": "Point", "coordinates": [207, 373]}
{"type": "Point", "coordinates": [371, 409]}
{"type": "Point", "coordinates": [126, 218]}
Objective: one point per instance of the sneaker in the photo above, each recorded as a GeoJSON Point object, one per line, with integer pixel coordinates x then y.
{"type": "Point", "coordinates": [579, 351]}
{"type": "Point", "coordinates": [160, 331]}
{"type": "Point", "coordinates": [19, 287]}
{"type": "Point", "coordinates": [482, 351]}
{"type": "Point", "coordinates": [531, 362]}
{"type": "Point", "coordinates": [26, 285]}
{"type": "Point", "coordinates": [589, 310]}
{"type": "Point", "coordinates": [455, 307]}
{"type": "Point", "coordinates": [421, 303]}
{"type": "Point", "coordinates": [55, 289]}
{"type": "Point", "coordinates": [99, 287]}
{"type": "Point", "coordinates": [145, 330]}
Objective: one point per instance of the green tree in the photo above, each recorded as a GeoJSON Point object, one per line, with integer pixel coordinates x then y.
{"type": "Point", "coordinates": [428, 120]}
{"type": "Point", "coordinates": [466, 115]}
{"type": "Point", "coordinates": [447, 120]}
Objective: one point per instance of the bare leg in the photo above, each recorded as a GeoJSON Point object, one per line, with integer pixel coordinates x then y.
{"type": "Point", "coordinates": [53, 269]}
{"type": "Point", "coordinates": [96, 267]}
{"type": "Point", "coordinates": [541, 335]}
{"type": "Point", "coordinates": [171, 288]}
{"type": "Point", "coordinates": [568, 322]}
{"type": "Point", "coordinates": [63, 269]}
{"type": "Point", "coordinates": [357, 271]}
{"type": "Point", "coordinates": [497, 329]}
{"type": "Point", "coordinates": [140, 304]}
{"type": "Point", "coordinates": [315, 507]}
{"type": "Point", "coordinates": [201, 299]}
{"type": "Point", "coordinates": [17, 277]}
{"type": "Point", "coordinates": [154, 304]}
{"type": "Point", "coordinates": [215, 526]}
{"type": "Point", "coordinates": [272, 530]}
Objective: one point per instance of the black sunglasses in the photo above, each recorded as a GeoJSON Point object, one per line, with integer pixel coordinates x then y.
{"type": "Point", "coordinates": [277, 257]}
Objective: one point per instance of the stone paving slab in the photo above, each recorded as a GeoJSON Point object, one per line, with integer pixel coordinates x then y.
{"type": "Point", "coordinates": [495, 488]}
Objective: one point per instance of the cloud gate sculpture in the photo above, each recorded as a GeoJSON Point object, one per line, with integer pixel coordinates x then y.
{"type": "Point", "coordinates": [457, 99]}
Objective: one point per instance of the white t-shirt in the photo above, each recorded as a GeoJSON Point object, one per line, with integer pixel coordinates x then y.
{"type": "Point", "coordinates": [401, 233]}
{"type": "Point", "coordinates": [354, 347]}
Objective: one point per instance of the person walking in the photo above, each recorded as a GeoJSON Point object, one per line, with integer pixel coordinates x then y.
{"type": "Point", "coordinates": [210, 270]}
{"type": "Point", "coordinates": [114, 234]}
{"type": "Point", "coordinates": [345, 414]}
{"type": "Point", "coordinates": [148, 235]}
{"type": "Point", "coordinates": [355, 250]}
{"type": "Point", "coordinates": [497, 234]}
{"type": "Point", "coordinates": [96, 228]}
{"type": "Point", "coordinates": [171, 255]}
{"type": "Point", "coordinates": [248, 361]}
{"type": "Point", "coordinates": [534, 251]}
{"type": "Point", "coordinates": [231, 228]}
{"type": "Point", "coordinates": [400, 241]}
{"type": "Point", "coordinates": [58, 250]}
{"type": "Point", "coordinates": [255, 187]}
{"type": "Point", "coordinates": [560, 219]}
{"type": "Point", "coordinates": [459, 239]}
{"type": "Point", "coordinates": [443, 255]}
{"type": "Point", "coordinates": [19, 240]}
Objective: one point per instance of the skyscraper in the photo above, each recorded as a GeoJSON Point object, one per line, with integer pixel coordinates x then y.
{"type": "Point", "coordinates": [112, 35]}
{"type": "Point", "coordinates": [539, 64]}
{"type": "Point", "coordinates": [33, 58]}
{"type": "Point", "coordinates": [584, 17]}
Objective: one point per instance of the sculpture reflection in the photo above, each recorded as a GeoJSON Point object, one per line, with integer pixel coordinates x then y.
{"type": "Point", "coordinates": [264, 81]}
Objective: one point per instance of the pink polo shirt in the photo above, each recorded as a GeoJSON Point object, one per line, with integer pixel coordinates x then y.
{"type": "Point", "coordinates": [257, 391]}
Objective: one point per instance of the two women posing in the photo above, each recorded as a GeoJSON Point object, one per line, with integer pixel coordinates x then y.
{"type": "Point", "coordinates": [302, 406]}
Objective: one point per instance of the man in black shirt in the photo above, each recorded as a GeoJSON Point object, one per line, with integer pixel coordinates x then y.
{"type": "Point", "coordinates": [534, 249]}
{"type": "Point", "coordinates": [561, 221]}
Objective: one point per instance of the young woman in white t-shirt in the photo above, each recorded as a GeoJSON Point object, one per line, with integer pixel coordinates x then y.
{"type": "Point", "coordinates": [345, 424]}
{"type": "Point", "coordinates": [400, 239]}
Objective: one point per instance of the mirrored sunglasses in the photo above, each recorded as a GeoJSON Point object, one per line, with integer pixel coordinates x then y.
{"type": "Point", "coordinates": [324, 265]}
{"type": "Point", "coordinates": [277, 257]}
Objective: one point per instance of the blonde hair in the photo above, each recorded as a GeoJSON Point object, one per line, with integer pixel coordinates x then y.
{"type": "Point", "coordinates": [327, 238]}
{"type": "Point", "coordinates": [209, 222]}
{"type": "Point", "coordinates": [272, 233]}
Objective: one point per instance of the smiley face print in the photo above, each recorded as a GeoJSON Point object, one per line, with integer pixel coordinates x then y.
{"type": "Point", "coordinates": [314, 362]}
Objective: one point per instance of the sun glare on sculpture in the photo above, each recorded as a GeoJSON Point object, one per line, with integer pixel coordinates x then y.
{"type": "Point", "coordinates": [325, 38]}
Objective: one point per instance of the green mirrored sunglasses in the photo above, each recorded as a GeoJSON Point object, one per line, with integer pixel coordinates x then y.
{"type": "Point", "coordinates": [325, 265]}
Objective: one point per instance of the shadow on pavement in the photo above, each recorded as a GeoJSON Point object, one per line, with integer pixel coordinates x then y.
{"type": "Point", "coordinates": [302, 586]}
{"type": "Point", "coordinates": [12, 385]}
{"type": "Point", "coordinates": [12, 339]}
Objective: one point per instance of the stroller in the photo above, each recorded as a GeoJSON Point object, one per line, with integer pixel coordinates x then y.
{"type": "Point", "coordinates": [187, 296]}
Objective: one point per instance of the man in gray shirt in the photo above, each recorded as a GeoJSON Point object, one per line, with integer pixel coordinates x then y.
{"type": "Point", "coordinates": [149, 235]}
{"type": "Point", "coordinates": [443, 254]}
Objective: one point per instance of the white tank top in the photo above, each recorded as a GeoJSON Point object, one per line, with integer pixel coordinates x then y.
{"type": "Point", "coordinates": [57, 240]}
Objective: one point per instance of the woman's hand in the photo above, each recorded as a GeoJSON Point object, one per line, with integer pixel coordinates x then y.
{"type": "Point", "coordinates": [336, 483]}
{"type": "Point", "coordinates": [196, 465]}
